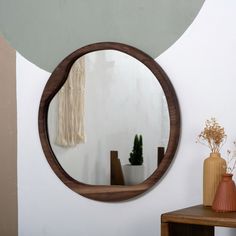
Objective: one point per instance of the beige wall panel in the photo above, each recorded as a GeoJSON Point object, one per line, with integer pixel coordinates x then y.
{"type": "Point", "coordinates": [8, 154]}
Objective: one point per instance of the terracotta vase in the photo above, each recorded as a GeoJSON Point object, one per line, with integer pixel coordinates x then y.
{"type": "Point", "coordinates": [225, 198]}
{"type": "Point", "coordinates": [213, 168]}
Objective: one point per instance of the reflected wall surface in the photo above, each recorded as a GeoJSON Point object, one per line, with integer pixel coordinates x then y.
{"type": "Point", "coordinates": [122, 98]}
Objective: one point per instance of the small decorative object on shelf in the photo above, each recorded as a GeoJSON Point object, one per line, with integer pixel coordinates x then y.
{"type": "Point", "coordinates": [134, 172]}
{"type": "Point", "coordinates": [225, 197]}
{"type": "Point", "coordinates": [213, 136]}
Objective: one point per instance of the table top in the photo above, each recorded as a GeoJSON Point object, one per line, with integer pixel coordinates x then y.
{"type": "Point", "coordinates": [200, 215]}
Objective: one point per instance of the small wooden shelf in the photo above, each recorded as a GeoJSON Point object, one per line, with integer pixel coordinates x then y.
{"type": "Point", "coordinates": [195, 221]}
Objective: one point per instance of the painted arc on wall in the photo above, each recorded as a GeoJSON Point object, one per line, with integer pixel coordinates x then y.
{"type": "Point", "coordinates": [44, 32]}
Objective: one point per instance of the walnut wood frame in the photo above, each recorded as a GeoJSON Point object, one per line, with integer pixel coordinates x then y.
{"type": "Point", "coordinates": [107, 192]}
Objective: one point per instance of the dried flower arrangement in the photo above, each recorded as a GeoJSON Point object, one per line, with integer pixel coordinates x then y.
{"type": "Point", "coordinates": [231, 160]}
{"type": "Point", "coordinates": [213, 135]}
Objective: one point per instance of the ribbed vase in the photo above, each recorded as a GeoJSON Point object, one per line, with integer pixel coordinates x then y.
{"type": "Point", "coordinates": [225, 198]}
{"type": "Point", "coordinates": [213, 168]}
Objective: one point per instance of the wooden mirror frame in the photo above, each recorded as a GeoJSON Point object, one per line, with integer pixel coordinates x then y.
{"type": "Point", "coordinates": [108, 192]}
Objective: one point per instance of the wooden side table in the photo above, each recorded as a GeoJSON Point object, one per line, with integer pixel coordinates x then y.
{"type": "Point", "coordinates": [195, 221]}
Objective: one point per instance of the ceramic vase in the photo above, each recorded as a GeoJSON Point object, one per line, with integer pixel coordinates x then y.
{"type": "Point", "coordinates": [225, 198]}
{"type": "Point", "coordinates": [133, 174]}
{"type": "Point", "coordinates": [213, 168]}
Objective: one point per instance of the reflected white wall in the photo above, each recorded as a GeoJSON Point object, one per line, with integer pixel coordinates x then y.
{"type": "Point", "coordinates": [122, 98]}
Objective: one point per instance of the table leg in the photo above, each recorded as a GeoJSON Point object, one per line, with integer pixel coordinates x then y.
{"type": "Point", "coordinates": [164, 229]}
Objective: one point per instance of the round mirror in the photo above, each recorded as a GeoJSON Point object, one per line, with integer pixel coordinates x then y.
{"type": "Point", "coordinates": [109, 121]}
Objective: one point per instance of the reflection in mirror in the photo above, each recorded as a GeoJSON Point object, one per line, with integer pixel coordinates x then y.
{"type": "Point", "coordinates": [119, 97]}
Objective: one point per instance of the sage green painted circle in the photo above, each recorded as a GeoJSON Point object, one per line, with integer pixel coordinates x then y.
{"type": "Point", "coordinates": [45, 31]}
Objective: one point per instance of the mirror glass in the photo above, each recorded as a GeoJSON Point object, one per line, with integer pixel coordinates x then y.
{"type": "Point", "coordinates": [117, 97]}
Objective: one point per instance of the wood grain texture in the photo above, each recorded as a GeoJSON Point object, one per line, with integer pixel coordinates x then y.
{"type": "Point", "coordinates": [164, 229]}
{"type": "Point", "coordinates": [116, 175]}
{"type": "Point", "coordinates": [56, 81]}
{"type": "Point", "coordinates": [160, 155]}
{"type": "Point", "coordinates": [200, 215]}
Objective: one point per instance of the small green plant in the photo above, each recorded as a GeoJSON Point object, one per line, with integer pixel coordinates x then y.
{"type": "Point", "coordinates": [136, 156]}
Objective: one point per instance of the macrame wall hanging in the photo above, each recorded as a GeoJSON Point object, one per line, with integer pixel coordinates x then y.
{"type": "Point", "coordinates": [70, 130]}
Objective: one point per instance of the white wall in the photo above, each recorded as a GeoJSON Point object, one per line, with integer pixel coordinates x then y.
{"type": "Point", "coordinates": [201, 66]}
{"type": "Point", "coordinates": [117, 106]}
